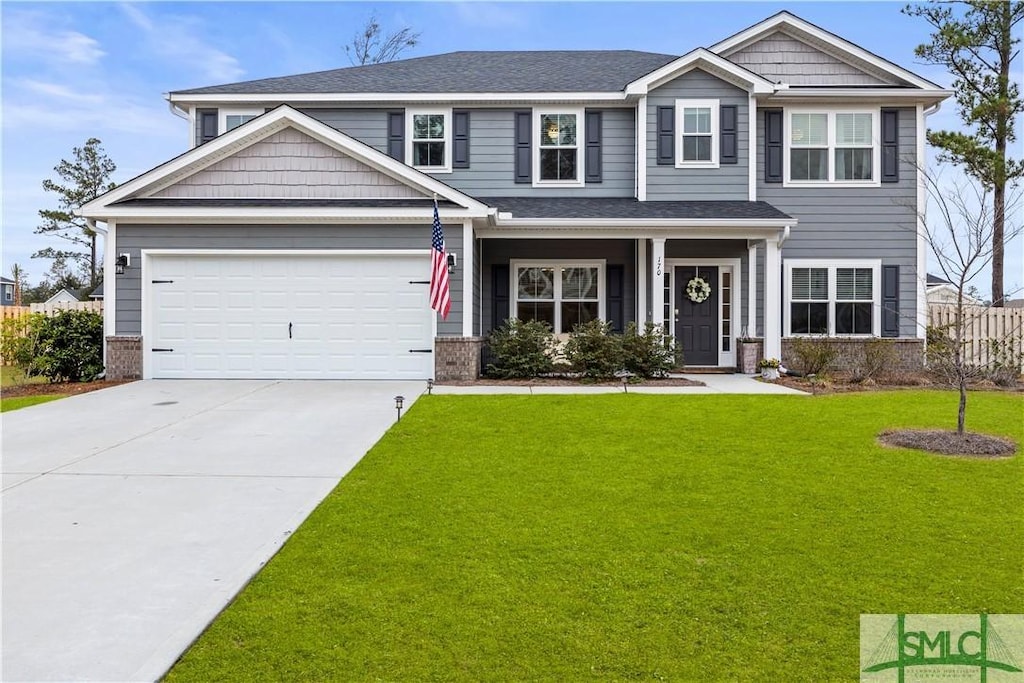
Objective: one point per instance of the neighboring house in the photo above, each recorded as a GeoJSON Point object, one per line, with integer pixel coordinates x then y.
{"type": "Point", "coordinates": [97, 294]}
{"type": "Point", "coordinates": [64, 296]}
{"type": "Point", "coordinates": [942, 291]}
{"type": "Point", "coordinates": [8, 297]}
{"type": "Point", "coordinates": [779, 166]}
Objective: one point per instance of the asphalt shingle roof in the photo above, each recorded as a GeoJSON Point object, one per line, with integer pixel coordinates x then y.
{"type": "Point", "coordinates": [629, 208]}
{"type": "Point", "coordinates": [467, 72]}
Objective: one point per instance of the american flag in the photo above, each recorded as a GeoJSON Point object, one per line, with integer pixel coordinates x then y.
{"type": "Point", "coordinates": [440, 296]}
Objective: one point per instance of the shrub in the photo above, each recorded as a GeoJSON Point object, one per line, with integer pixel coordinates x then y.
{"type": "Point", "coordinates": [68, 347]}
{"type": "Point", "coordinates": [814, 355]}
{"type": "Point", "coordinates": [1005, 362]}
{"type": "Point", "coordinates": [520, 349]}
{"type": "Point", "coordinates": [17, 337]}
{"type": "Point", "coordinates": [650, 354]}
{"type": "Point", "coordinates": [877, 358]}
{"type": "Point", "coordinates": [593, 351]}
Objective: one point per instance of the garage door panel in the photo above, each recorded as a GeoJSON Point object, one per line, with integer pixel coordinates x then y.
{"type": "Point", "coordinates": [352, 316]}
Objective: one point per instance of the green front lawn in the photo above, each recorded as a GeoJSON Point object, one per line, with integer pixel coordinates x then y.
{"type": "Point", "coordinates": [18, 402]}
{"type": "Point", "coordinates": [694, 538]}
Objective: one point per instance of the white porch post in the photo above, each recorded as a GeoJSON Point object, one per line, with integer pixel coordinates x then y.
{"type": "Point", "coordinates": [658, 282]}
{"type": "Point", "coordinates": [772, 300]}
{"type": "Point", "coordinates": [468, 305]}
{"type": "Point", "coordinates": [641, 283]}
{"type": "Point", "coordinates": [751, 288]}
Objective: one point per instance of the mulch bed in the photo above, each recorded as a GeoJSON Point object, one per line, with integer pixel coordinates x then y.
{"type": "Point", "coordinates": [64, 388]}
{"type": "Point", "coordinates": [574, 382]}
{"type": "Point", "coordinates": [840, 384]}
{"type": "Point", "coordinates": [949, 442]}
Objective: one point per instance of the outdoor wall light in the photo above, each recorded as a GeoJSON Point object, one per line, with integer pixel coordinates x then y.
{"type": "Point", "coordinates": [399, 400]}
{"type": "Point", "coordinates": [452, 262]}
{"type": "Point", "coordinates": [122, 262]}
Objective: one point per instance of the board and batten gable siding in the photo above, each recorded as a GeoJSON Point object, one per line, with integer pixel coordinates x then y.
{"type": "Point", "coordinates": [289, 165]}
{"type": "Point", "coordinates": [857, 222]}
{"type": "Point", "coordinates": [133, 238]}
{"type": "Point", "coordinates": [501, 252]}
{"type": "Point", "coordinates": [781, 57]}
{"type": "Point", "coordinates": [728, 181]}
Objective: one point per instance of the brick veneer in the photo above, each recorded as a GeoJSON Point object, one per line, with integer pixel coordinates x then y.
{"type": "Point", "coordinates": [457, 358]}
{"type": "Point", "coordinates": [908, 356]}
{"type": "Point", "coordinates": [124, 357]}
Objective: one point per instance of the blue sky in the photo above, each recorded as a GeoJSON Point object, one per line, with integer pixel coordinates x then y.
{"type": "Point", "coordinates": [71, 71]}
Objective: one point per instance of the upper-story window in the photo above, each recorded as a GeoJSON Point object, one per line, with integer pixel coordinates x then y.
{"type": "Point", "coordinates": [8, 292]}
{"type": "Point", "coordinates": [558, 152]}
{"type": "Point", "coordinates": [832, 147]}
{"type": "Point", "coordinates": [428, 139]}
{"type": "Point", "coordinates": [233, 118]}
{"type": "Point", "coordinates": [697, 126]}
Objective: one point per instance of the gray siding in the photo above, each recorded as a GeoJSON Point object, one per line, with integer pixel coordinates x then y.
{"type": "Point", "coordinates": [369, 126]}
{"type": "Point", "coordinates": [289, 164]}
{"type": "Point", "coordinates": [134, 238]}
{"type": "Point", "coordinates": [728, 181]}
{"type": "Point", "coordinates": [716, 249]}
{"type": "Point", "coordinates": [849, 222]}
{"type": "Point", "coordinates": [614, 252]}
{"type": "Point", "coordinates": [781, 57]}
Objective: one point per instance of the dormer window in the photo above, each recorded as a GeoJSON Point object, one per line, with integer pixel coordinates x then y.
{"type": "Point", "coordinates": [557, 153]}
{"type": "Point", "coordinates": [428, 136]}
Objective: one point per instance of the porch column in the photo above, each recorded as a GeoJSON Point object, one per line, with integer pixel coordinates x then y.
{"type": "Point", "coordinates": [641, 283]}
{"type": "Point", "coordinates": [752, 288]}
{"type": "Point", "coordinates": [772, 300]}
{"type": "Point", "coordinates": [468, 305]}
{"type": "Point", "coordinates": [658, 282]}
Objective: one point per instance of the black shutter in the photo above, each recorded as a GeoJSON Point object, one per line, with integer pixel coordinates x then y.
{"type": "Point", "coordinates": [666, 136]}
{"type": "Point", "coordinates": [890, 301]}
{"type": "Point", "coordinates": [524, 125]}
{"type": "Point", "coordinates": [460, 138]}
{"type": "Point", "coordinates": [615, 312]}
{"type": "Point", "coordinates": [593, 158]}
{"type": "Point", "coordinates": [396, 135]}
{"type": "Point", "coordinates": [773, 145]}
{"type": "Point", "coordinates": [890, 145]}
{"type": "Point", "coordinates": [207, 124]}
{"type": "Point", "coordinates": [729, 153]}
{"type": "Point", "coordinates": [499, 295]}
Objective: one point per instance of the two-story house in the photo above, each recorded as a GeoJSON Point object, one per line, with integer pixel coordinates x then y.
{"type": "Point", "coordinates": [766, 186]}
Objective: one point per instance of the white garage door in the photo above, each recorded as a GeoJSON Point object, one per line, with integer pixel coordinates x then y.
{"type": "Point", "coordinates": [349, 316]}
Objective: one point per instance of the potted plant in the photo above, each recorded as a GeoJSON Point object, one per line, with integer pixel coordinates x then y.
{"type": "Point", "coordinates": [769, 368]}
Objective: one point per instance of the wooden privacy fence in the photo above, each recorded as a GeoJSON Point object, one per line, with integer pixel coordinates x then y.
{"type": "Point", "coordinates": [51, 309]}
{"type": "Point", "coordinates": [13, 311]}
{"type": "Point", "coordinates": [990, 334]}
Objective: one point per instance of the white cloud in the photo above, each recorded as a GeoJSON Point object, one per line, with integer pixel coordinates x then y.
{"type": "Point", "coordinates": [489, 15]}
{"type": "Point", "coordinates": [177, 38]}
{"type": "Point", "coordinates": [57, 91]}
{"type": "Point", "coordinates": [31, 35]}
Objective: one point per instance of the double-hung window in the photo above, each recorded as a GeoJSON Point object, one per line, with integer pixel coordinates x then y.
{"type": "Point", "coordinates": [697, 123]}
{"type": "Point", "coordinates": [562, 295]}
{"type": "Point", "coordinates": [428, 139]}
{"type": "Point", "coordinates": [558, 153]}
{"type": "Point", "coordinates": [835, 147]}
{"type": "Point", "coordinates": [836, 298]}
{"type": "Point", "coordinates": [8, 293]}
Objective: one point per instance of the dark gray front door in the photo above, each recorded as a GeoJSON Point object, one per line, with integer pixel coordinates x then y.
{"type": "Point", "coordinates": [697, 324]}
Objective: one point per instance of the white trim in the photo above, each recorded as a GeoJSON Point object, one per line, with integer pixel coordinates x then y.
{"type": "Point", "coordinates": [535, 147]}
{"type": "Point", "coordinates": [193, 138]}
{"type": "Point", "coordinates": [419, 111]}
{"type": "Point", "coordinates": [921, 277]}
{"type": "Point", "coordinates": [558, 265]}
{"type": "Point", "coordinates": [724, 223]}
{"type": "Point", "coordinates": [752, 289]}
{"type": "Point", "coordinates": [619, 231]}
{"type": "Point", "coordinates": [726, 359]}
{"type": "Point", "coordinates": [418, 97]}
{"type": "Point", "coordinates": [658, 281]}
{"type": "Point", "coordinates": [832, 264]}
{"type": "Point", "coordinates": [641, 149]}
{"type": "Point", "coordinates": [224, 112]}
{"type": "Point", "coordinates": [264, 214]}
{"type": "Point", "coordinates": [695, 59]}
{"type": "Point", "coordinates": [109, 285]}
{"type": "Point", "coordinates": [874, 95]}
{"type": "Point", "coordinates": [641, 280]}
{"type": "Point", "coordinates": [252, 132]}
{"type": "Point", "coordinates": [752, 120]}
{"type": "Point", "coordinates": [876, 156]}
{"type": "Point", "coordinates": [467, 266]}
{"type": "Point", "coordinates": [798, 25]}
{"type": "Point", "coordinates": [713, 106]}
{"type": "Point", "coordinates": [772, 300]}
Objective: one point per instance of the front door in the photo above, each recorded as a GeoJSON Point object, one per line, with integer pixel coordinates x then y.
{"type": "Point", "coordinates": [697, 323]}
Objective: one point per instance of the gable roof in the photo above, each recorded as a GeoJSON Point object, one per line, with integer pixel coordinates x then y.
{"type": "Point", "coordinates": [465, 72]}
{"type": "Point", "coordinates": [6, 280]}
{"type": "Point", "coordinates": [819, 37]}
{"type": "Point", "coordinates": [708, 61]}
{"type": "Point", "coordinates": [113, 204]}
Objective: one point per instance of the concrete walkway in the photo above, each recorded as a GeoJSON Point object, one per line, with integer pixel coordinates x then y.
{"type": "Point", "coordinates": [713, 384]}
{"type": "Point", "coordinates": [132, 515]}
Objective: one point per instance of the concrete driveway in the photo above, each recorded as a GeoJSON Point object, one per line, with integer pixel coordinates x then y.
{"type": "Point", "coordinates": [132, 515]}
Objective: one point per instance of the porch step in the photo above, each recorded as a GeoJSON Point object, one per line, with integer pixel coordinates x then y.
{"type": "Point", "coordinates": [702, 370]}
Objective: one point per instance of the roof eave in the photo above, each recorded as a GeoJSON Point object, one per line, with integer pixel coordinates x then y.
{"type": "Point", "coordinates": [363, 97]}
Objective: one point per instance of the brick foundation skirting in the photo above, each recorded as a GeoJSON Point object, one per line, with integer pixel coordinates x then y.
{"type": "Point", "coordinates": [457, 358]}
{"type": "Point", "coordinates": [124, 358]}
{"type": "Point", "coordinates": [908, 354]}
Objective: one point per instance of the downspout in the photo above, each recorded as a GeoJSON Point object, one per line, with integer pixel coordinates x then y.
{"type": "Point", "coordinates": [178, 111]}
{"type": "Point", "coordinates": [784, 237]}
